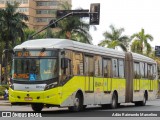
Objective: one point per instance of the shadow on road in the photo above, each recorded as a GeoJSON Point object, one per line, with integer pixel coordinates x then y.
{"type": "Point", "coordinates": [90, 111]}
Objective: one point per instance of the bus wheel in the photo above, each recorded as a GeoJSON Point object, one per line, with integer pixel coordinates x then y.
{"type": "Point", "coordinates": [105, 106]}
{"type": "Point", "coordinates": [84, 107]}
{"type": "Point", "coordinates": [114, 101]}
{"type": "Point", "coordinates": [143, 102]}
{"type": "Point", "coordinates": [78, 104]}
{"type": "Point", "coordinates": [37, 107]}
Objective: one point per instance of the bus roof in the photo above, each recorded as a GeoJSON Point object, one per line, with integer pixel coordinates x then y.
{"type": "Point", "coordinates": [50, 43]}
{"type": "Point", "coordinates": [143, 58]}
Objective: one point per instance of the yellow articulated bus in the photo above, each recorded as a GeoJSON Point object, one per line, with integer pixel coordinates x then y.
{"type": "Point", "coordinates": [65, 73]}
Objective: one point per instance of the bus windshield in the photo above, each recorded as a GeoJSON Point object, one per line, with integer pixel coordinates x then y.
{"type": "Point", "coordinates": [34, 69]}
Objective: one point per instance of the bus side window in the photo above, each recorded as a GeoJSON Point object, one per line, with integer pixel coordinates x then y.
{"type": "Point", "coordinates": [89, 66]}
{"type": "Point", "coordinates": [77, 63]}
{"type": "Point", "coordinates": [107, 68]}
{"type": "Point", "coordinates": [142, 70]}
{"type": "Point", "coordinates": [98, 66]}
{"type": "Point", "coordinates": [150, 72]}
{"type": "Point", "coordinates": [137, 70]}
{"type": "Point", "coordinates": [121, 68]}
{"type": "Point", "coordinates": [154, 71]}
{"type": "Point", "coordinates": [146, 71]}
{"type": "Point", "coordinates": [114, 67]}
{"type": "Point", "coordinates": [68, 71]}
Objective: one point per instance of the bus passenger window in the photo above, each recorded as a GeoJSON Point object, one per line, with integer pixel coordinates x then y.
{"type": "Point", "coordinates": [77, 63]}
{"type": "Point", "coordinates": [68, 70]}
{"type": "Point", "coordinates": [98, 66]}
{"type": "Point", "coordinates": [142, 70]}
{"type": "Point", "coordinates": [107, 68]}
{"type": "Point", "coordinates": [154, 71]}
{"type": "Point", "coordinates": [137, 70]}
{"type": "Point", "coordinates": [114, 68]}
{"type": "Point", "coordinates": [121, 68]}
{"type": "Point", "coordinates": [89, 66]}
{"type": "Point", "coordinates": [80, 67]}
{"type": "Point", "coordinates": [150, 72]}
{"type": "Point", "coordinates": [146, 71]}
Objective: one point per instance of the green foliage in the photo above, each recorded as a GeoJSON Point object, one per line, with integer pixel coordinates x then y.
{"type": "Point", "coordinates": [28, 33]}
{"type": "Point", "coordinates": [136, 75]}
{"type": "Point", "coordinates": [65, 5]}
{"type": "Point", "coordinates": [73, 27]}
{"type": "Point", "coordinates": [12, 25]}
{"type": "Point", "coordinates": [140, 42]}
{"type": "Point", "coordinates": [136, 47]}
{"type": "Point", "coordinates": [115, 38]}
{"type": "Point", "coordinates": [47, 34]}
{"type": "Point", "coordinates": [2, 88]}
{"type": "Point", "coordinates": [1, 47]}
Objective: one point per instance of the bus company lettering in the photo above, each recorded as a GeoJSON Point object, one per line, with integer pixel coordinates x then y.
{"type": "Point", "coordinates": [26, 87]}
{"type": "Point", "coordinates": [98, 84]}
{"type": "Point", "coordinates": [40, 87]}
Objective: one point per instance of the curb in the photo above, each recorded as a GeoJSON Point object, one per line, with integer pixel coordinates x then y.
{"type": "Point", "coordinates": [5, 105]}
{"type": "Point", "coordinates": [4, 102]}
{"type": "Point", "coordinates": [1, 98]}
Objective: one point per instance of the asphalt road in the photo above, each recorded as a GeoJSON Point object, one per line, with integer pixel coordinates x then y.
{"type": "Point", "coordinates": [148, 112]}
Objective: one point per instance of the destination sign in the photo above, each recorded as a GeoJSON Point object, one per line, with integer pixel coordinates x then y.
{"type": "Point", "coordinates": [25, 76]}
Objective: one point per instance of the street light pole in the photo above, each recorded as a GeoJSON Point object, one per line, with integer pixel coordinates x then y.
{"type": "Point", "coordinates": [94, 16]}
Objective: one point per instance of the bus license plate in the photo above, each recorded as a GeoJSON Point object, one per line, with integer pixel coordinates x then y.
{"type": "Point", "coordinates": [28, 98]}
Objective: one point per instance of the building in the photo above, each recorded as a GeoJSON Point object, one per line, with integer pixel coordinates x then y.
{"type": "Point", "coordinates": [40, 12]}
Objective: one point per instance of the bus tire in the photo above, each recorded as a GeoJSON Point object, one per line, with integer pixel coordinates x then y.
{"type": "Point", "coordinates": [84, 107]}
{"type": "Point", "coordinates": [37, 107]}
{"type": "Point", "coordinates": [143, 102]}
{"type": "Point", "coordinates": [78, 104]}
{"type": "Point", "coordinates": [114, 101]}
{"type": "Point", "coordinates": [118, 105]}
{"type": "Point", "coordinates": [105, 106]}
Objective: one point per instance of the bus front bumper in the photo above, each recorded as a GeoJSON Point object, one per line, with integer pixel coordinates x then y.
{"type": "Point", "coordinates": [52, 96]}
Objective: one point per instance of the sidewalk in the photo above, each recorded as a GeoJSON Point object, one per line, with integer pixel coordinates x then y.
{"type": "Point", "coordinates": [4, 102]}
{"type": "Point", "coordinates": [1, 97]}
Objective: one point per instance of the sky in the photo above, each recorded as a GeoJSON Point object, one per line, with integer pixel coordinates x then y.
{"type": "Point", "coordinates": [132, 15]}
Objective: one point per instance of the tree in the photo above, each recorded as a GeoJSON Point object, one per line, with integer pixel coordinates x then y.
{"type": "Point", "coordinates": [73, 27]}
{"type": "Point", "coordinates": [115, 38]}
{"type": "Point", "coordinates": [12, 24]}
{"type": "Point", "coordinates": [136, 47]}
{"type": "Point", "coordinates": [65, 5]}
{"type": "Point", "coordinates": [28, 33]}
{"type": "Point", "coordinates": [140, 42]}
